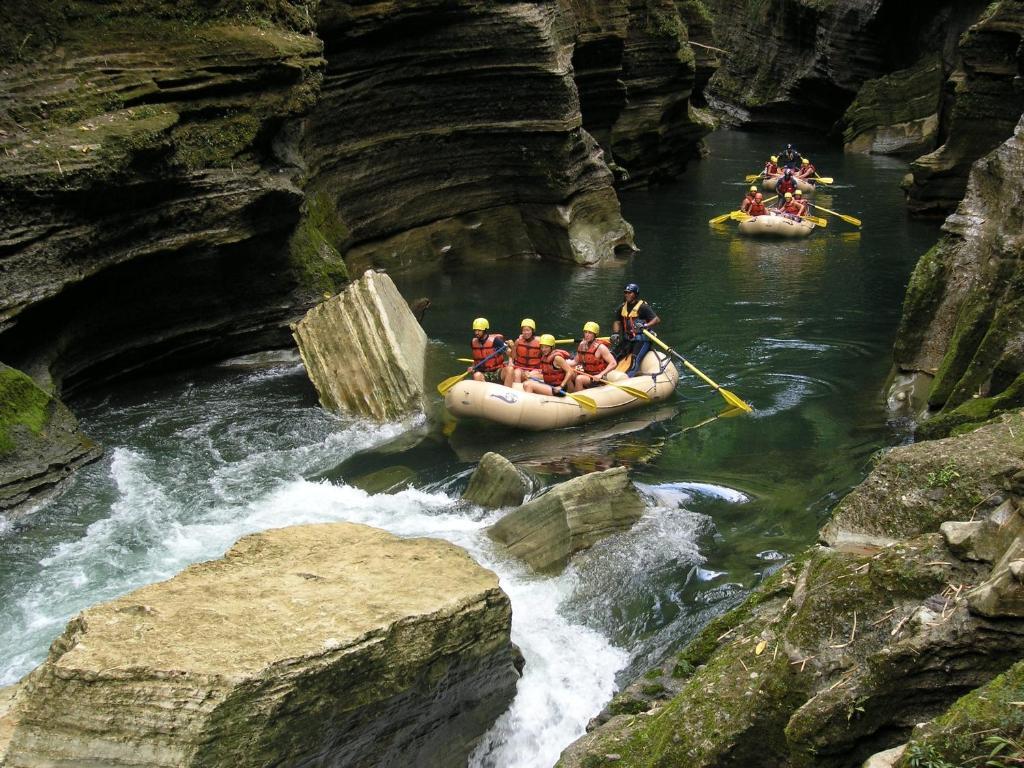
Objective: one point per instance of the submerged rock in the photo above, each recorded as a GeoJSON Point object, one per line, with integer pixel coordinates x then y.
{"type": "Point", "coordinates": [40, 443]}
{"type": "Point", "coordinates": [570, 517]}
{"type": "Point", "coordinates": [497, 483]}
{"type": "Point", "coordinates": [312, 645]}
{"type": "Point", "coordinates": [364, 350]}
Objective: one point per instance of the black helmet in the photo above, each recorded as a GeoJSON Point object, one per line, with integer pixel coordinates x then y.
{"type": "Point", "coordinates": [632, 287]}
{"type": "Point", "coordinates": [789, 146]}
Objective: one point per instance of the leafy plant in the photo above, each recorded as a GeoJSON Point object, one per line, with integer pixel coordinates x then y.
{"type": "Point", "coordinates": [1005, 752]}
{"type": "Point", "coordinates": [923, 755]}
{"type": "Point", "coordinates": [944, 477]}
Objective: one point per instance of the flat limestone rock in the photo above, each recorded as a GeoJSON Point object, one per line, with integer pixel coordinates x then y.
{"type": "Point", "coordinates": [311, 645]}
{"type": "Point", "coordinates": [496, 483]}
{"type": "Point", "coordinates": [572, 516]}
{"type": "Point", "coordinates": [364, 350]}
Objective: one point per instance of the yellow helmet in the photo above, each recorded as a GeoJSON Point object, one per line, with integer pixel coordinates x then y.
{"type": "Point", "coordinates": [592, 327]}
{"type": "Point", "coordinates": [806, 161]}
{"type": "Point", "coordinates": [798, 193]}
{"type": "Point", "coordinates": [547, 340]}
{"type": "Point", "coordinates": [775, 158]}
{"type": "Point", "coordinates": [789, 195]}
{"type": "Point", "coordinates": [753, 189]}
{"type": "Point", "coordinates": [528, 323]}
{"type": "Point", "coordinates": [481, 324]}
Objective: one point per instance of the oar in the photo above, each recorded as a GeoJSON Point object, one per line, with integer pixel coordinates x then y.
{"type": "Point", "coordinates": [848, 219]}
{"type": "Point", "coordinates": [824, 179]}
{"type": "Point", "coordinates": [730, 398]}
{"type": "Point", "coordinates": [816, 220]}
{"type": "Point", "coordinates": [451, 381]}
{"type": "Point", "coordinates": [638, 393]}
{"type": "Point", "coordinates": [587, 402]}
{"type": "Point", "coordinates": [754, 176]}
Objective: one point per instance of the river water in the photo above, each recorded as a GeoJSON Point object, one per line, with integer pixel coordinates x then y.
{"type": "Point", "coordinates": [799, 329]}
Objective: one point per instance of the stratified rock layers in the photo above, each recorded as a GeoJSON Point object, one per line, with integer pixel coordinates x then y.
{"type": "Point", "coordinates": [963, 314]}
{"type": "Point", "coordinates": [364, 350]}
{"type": "Point", "coordinates": [40, 443]}
{"type": "Point", "coordinates": [451, 132]}
{"type": "Point", "coordinates": [314, 645]}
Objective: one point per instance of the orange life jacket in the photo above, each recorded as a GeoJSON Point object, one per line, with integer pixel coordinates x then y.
{"type": "Point", "coordinates": [629, 317]}
{"type": "Point", "coordinates": [771, 169]}
{"type": "Point", "coordinates": [587, 357]}
{"type": "Point", "coordinates": [552, 375]}
{"type": "Point", "coordinates": [757, 209]}
{"type": "Point", "coordinates": [793, 207]}
{"type": "Point", "coordinates": [747, 202]}
{"type": "Point", "coordinates": [786, 185]}
{"type": "Point", "coordinates": [527, 354]}
{"type": "Point", "coordinates": [484, 347]}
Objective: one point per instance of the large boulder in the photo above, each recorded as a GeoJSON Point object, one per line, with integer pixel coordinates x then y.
{"type": "Point", "coordinates": [312, 645]}
{"type": "Point", "coordinates": [497, 483]}
{"type": "Point", "coordinates": [40, 443]}
{"type": "Point", "coordinates": [364, 350]}
{"type": "Point", "coordinates": [572, 516]}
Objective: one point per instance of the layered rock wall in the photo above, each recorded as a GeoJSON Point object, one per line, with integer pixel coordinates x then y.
{"type": "Point", "coordinates": [313, 645]}
{"type": "Point", "coordinates": [961, 330]}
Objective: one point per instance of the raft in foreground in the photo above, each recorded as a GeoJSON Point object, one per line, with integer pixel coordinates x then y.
{"type": "Point", "coordinates": [775, 225]}
{"type": "Point", "coordinates": [526, 410]}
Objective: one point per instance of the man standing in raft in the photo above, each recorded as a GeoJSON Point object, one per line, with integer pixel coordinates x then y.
{"type": "Point", "coordinates": [789, 157]}
{"type": "Point", "coordinates": [555, 368]}
{"type": "Point", "coordinates": [593, 358]}
{"type": "Point", "coordinates": [635, 315]}
{"type": "Point", "coordinates": [525, 362]}
{"type": "Point", "coordinates": [489, 347]}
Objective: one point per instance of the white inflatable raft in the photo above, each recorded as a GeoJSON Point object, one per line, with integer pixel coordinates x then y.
{"type": "Point", "coordinates": [515, 408]}
{"type": "Point", "coordinates": [775, 225]}
{"type": "Point", "coordinates": [804, 186]}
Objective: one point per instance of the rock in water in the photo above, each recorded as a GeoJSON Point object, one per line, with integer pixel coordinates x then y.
{"type": "Point", "coordinates": [331, 644]}
{"type": "Point", "coordinates": [497, 483]}
{"type": "Point", "coordinates": [40, 443]}
{"type": "Point", "coordinates": [364, 350]}
{"type": "Point", "coordinates": [572, 516]}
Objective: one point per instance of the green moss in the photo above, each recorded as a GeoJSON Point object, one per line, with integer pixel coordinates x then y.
{"type": "Point", "coordinates": [214, 143]}
{"type": "Point", "coordinates": [973, 413]}
{"type": "Point", "coordinates": [683, 668]}
{"type": "Point", "coordinates": [653, 674]}
{"type": "Point", "coordinates": [924, 292]}
{"type": "Point", "coordinates": [652, 689]}
{"type": "Point", "coordinates": [975, 725]}
{"type": "Point", "coordinates": [971, 326]}
{"type": "Point", "coordinates": [22, 404]}
{"type": "Point", "coordinates": [315, 247]}
{"type": "Point", "coordinates": [626, 705]}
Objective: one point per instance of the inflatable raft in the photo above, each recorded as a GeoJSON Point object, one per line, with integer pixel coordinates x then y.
{"type": "Point", "coordinates": [804, 186]}
{"type": "Point", "coordinates": [775, 225]}
{"type": "Point", "coordinates": [515, 408]}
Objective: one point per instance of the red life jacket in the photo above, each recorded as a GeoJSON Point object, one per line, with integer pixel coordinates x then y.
{"type": "Point", "coordinates": [786, 185]}
{"type": "Point", "coordinates": [629, 317]}
{"type": "Point", "coordinates": [592, 364]}
{"type": "Point", "coordinates": [552, 375]}
{"type": "Point", "coordinates": [771, 169]}
{"type": "Point", "coordinates": [747, 202]}
{"type": "Point", "coordinates": [757, 209]}
{"type": "Point", "coordinates": [483, 347]}
{"type": "Point", "coordinates": [793, 207]}
{"type": "Point", "coordinates": [527, 354]}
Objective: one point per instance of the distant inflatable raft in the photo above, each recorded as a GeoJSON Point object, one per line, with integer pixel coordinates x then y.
{"type": "Point", "coordinates": [775, 225]}
{"type": "Point", "coordinates": [525, 410]}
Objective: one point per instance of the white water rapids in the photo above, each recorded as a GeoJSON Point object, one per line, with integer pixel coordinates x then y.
{"type": "Point", "coordinates": [185, 477]}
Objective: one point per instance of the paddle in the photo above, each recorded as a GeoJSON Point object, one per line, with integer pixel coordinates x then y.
{"type": "Point", "coordinates": [587, 402]}
{"type": "Point", "coordinates": [848, 219]}
{"type": "Point", "coordinates": [816, 220]}
{"type": "Point", "coordinates": [730, 398]}
{"type": "Point", "coordinates": [754, 176]}
{"type": "Point", "coordinates": [451, 381]}
{"type": "Point", "coordinates": [824, 180]}
{"type": "Point", "coordinates": [639, 393]}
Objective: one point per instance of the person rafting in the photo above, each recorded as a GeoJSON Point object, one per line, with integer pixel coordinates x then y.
{"type": "Point", "coordinates": [555, 368]}
{"type": "Point", "coordinates": [785, 184]}
{"type": "Point", "coordinates": [635, 315]}
{"type": "Point", "coordinates": [748, 199]}
{"type": "Point", "coordinates": [807, 170]}
{"type": "Point", "coordinates": [593, 358]}
{"type": "Point", "coordinates": [791, 207]}
{"type": "Point", "coordinates": [800, 200]}
{"type": "Point", "coordinates": [757, 208]}
{"type": "Point", "coordinates": [771, 168]}
{"type": "Point", "coordinates": [488, 352]}
{"type": "Point", "coordinates": [789, 157]}
{"type": "Point", "coordinates": [524, 361]}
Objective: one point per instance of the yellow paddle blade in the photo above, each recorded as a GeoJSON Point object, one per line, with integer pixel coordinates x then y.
{"type": "Point", "coordinates": [587, 402]}
{"type": "Point", "coordinates": [739, 216]}
{"type": "Point", "coordinates": [720, 219]}
{"type": "Point", "coordinates": [824, 179]}
{"type": "Point", "coordinates": [753, 176]}
{"type": "Point", "coordinates": [624, 363]}
{"type": "Point", "coordinates": [465, 359]}
{"type": "Point", "coordinates": [848, 219]}
{"type": "Point", "coordinates": [637, 393]}
{"type": "Point", "coordinates": [450, 382]}
{"type": "Point", "coordinates": [817, 221]}
{"type": "Point", "coordinates": [730, 398]}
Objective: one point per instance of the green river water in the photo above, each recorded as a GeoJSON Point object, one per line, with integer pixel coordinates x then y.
{"type": "Point", "coordinates": [801, 330]}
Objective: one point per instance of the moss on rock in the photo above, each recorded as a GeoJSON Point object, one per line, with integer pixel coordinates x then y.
{"type": "Point", "coordinates": [315, 246]}
{"type": "Point", "coordinates": [22, 404]}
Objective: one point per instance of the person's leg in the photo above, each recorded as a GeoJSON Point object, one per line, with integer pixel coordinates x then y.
{"type": "Point", "coordinates": [640, 348]}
